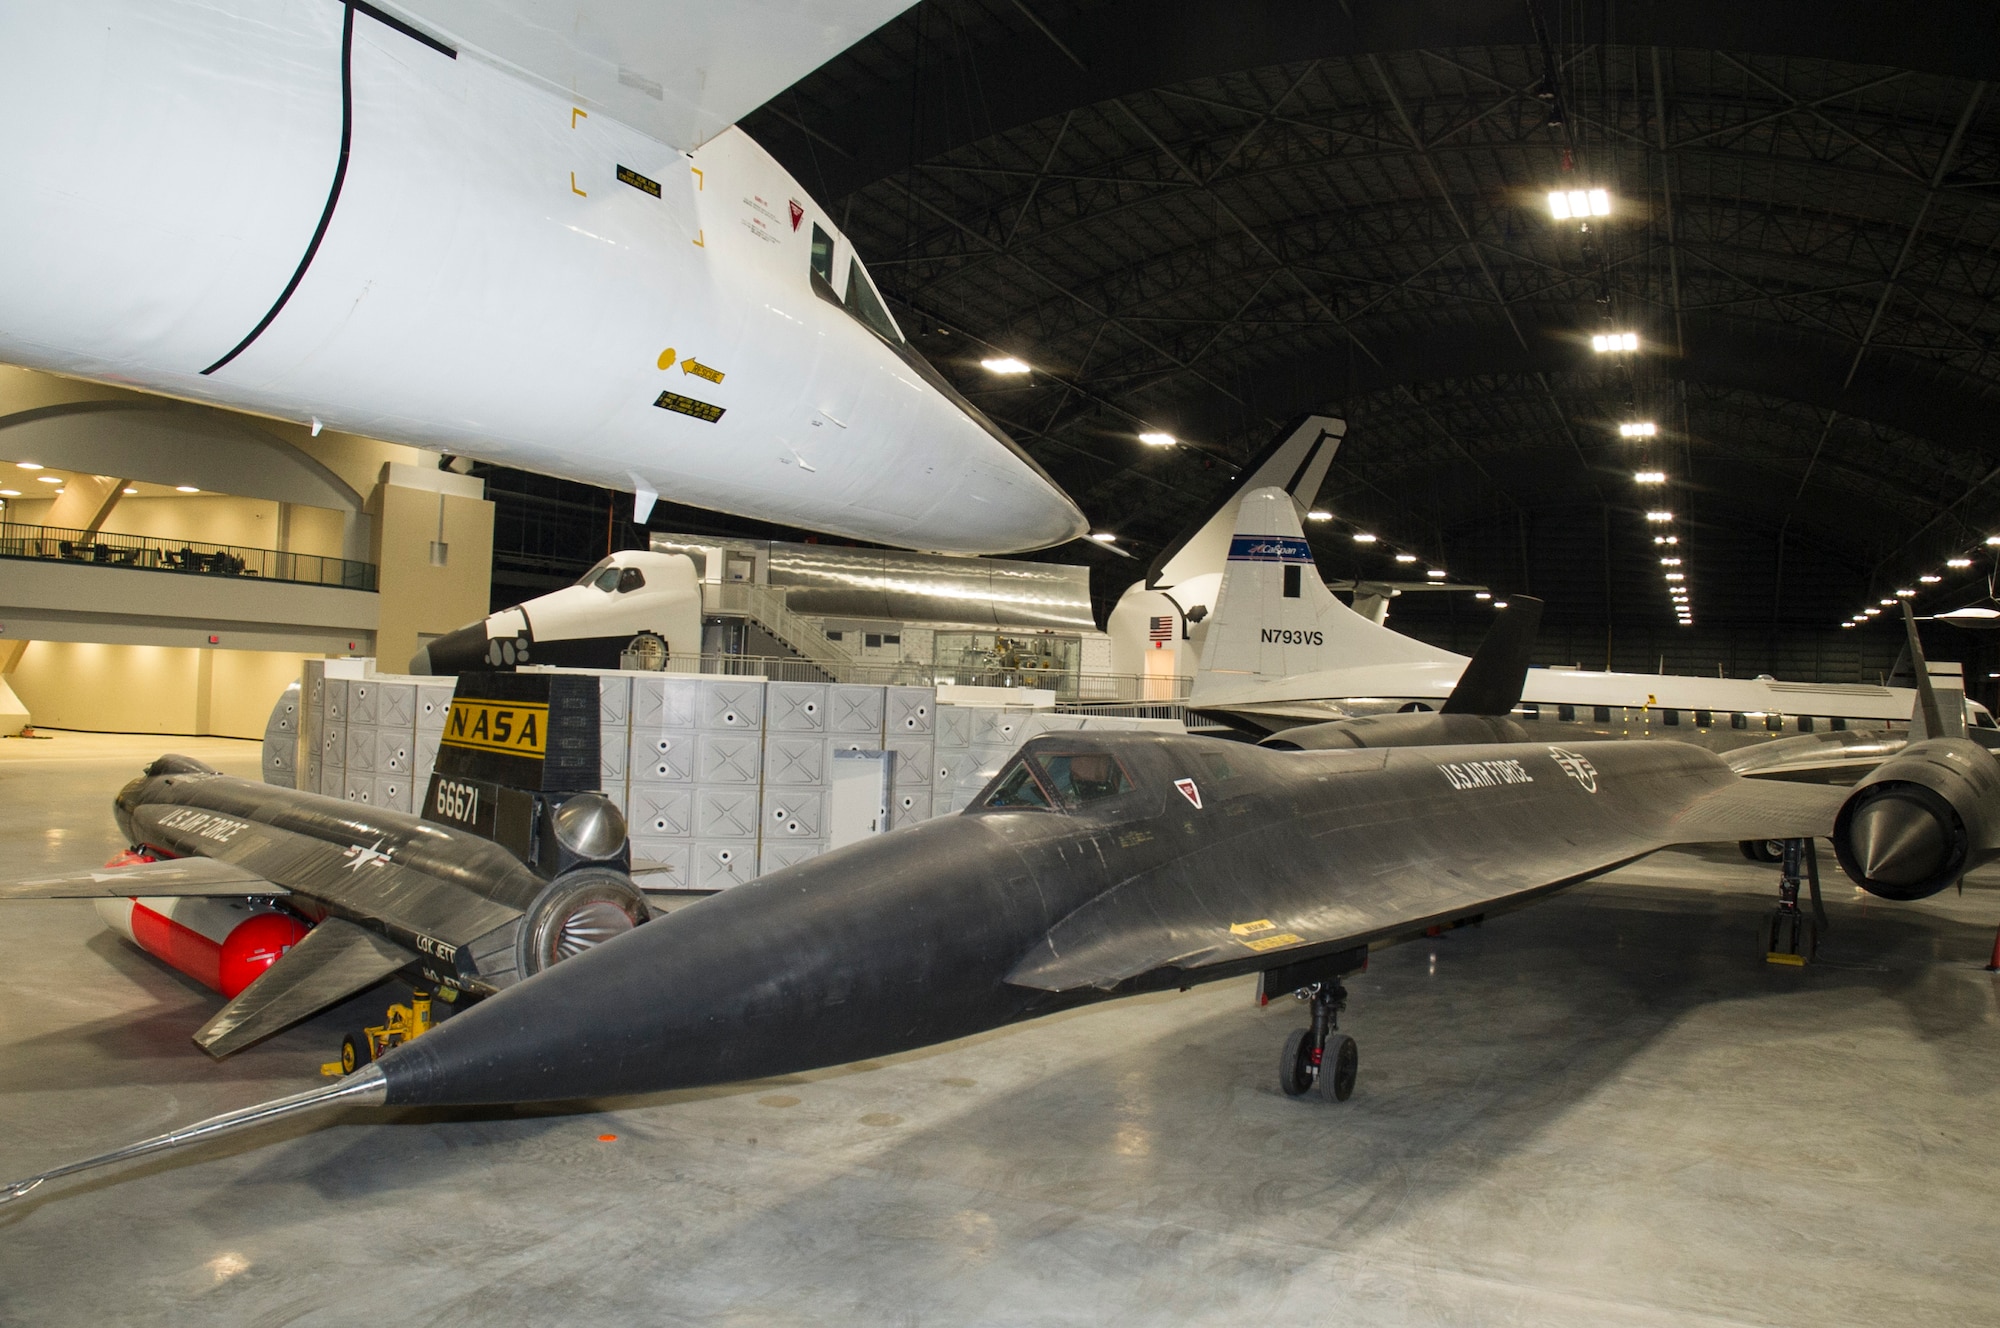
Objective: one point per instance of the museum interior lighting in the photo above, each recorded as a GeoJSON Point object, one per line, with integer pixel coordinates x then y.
{"type": "Point", "coordinates": [10, 493]}
{"type": "Point", "coordinates": [1958, 562]}
{"type": "Point", "coordinates": [1406, 557]}
{"type": "Point", "coordinates": [1676, 576]}
{"type": "Point", "coordinates": [1659, 516]}
{"type": "Point", "coordinates": [1103, 536]}
{"type": "Point", "coordinates": [1578, 204]}
{"type": "Point", "coordinates": [186, 488]}
{"type": "Point", "coordinates": [1870, 613]}
{"type": "Point", "coordinates": [1484, 594]}
{"type": "Point", "coordinates": [1319, 514]}
{"type": "Point", "coordinates": [1435, 574]}
{"type": "Point", "coordinates": [49, 479]}
{"type": "Point", "coordinates": [1005, 364]}
{"type": "Point", "coordinates": [1605, 343]}
{"type": "Point", "coordinates": [1905, 594]}
{"type": "Point", "coordinates": [1363, 537]}
{"type": "Point", "coordinates": [29, 465]}
{"type": "Point", "coordinates": [128, 491]}
{"type": "Point", "coordinates": [1152, 438]}
{"type": "Point", "coordinates": [1650, 476]}
{"type": "Point", "coordinates": [1929, 579]}
{"type": "Point", "coordinates": [1666, 539]}
{"type": "Point", "coordinates": [1993, 541]}
{"type": "Point", "coordinates": [1499, 603]}
{"type": "Point", "coordinates": [1670, 562]}
{"type": "Point", "coordinates": [1640, 429]}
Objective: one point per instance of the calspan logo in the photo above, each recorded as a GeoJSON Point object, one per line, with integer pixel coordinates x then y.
{"type": "Point", "coordinates": [1576, 767]}
{"type": "Point", "coordinates": [1268, 549]}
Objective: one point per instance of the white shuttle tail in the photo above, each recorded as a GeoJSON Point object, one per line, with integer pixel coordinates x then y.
{"type": "Point", "coordinates": [1274, 616]}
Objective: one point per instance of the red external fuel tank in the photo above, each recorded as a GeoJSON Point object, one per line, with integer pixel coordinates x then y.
{"type": "Point", "coordinates": [224, 944]}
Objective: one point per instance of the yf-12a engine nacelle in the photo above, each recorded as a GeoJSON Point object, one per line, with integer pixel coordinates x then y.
{"type": "Point", "coordinates": [1920, 821]}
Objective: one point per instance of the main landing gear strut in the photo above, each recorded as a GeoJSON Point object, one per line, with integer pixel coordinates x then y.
{"type": "Point", "coordinates": [1321, 1058]}
{"type": "Point", "coordinates": [1791, 935]}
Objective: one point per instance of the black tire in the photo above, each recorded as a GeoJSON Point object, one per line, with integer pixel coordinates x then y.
{"type": "Point", "coordinates": [1770, 850]}
{"type": "Point", "coordinates": [651, 650]}
{"type": "Point", "coordinates": [1295, 1068]}
{"type": "Point", "coordinates": [1338, 1068]}
{"type": "Point", "coordinates": [353, 1052]}
{"type": "Point", "coordinates": [1747, 849]}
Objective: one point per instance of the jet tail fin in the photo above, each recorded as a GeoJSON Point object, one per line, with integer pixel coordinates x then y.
{"type": "Point", "coordinates": [1940, 708]}
{"type": "Point", "coordinates": [1492, 682]}
{"type": "Point", "coordinates": [1274, 616]}
{"type": "Point", "coordinates": [1296, 460]}
{"type": "Point", "coordinates": [334, 961]}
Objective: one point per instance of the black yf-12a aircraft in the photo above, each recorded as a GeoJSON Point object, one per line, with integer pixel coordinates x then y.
{"type": "Point", "coordinates": [288, 902]}
{"type": "Point", "coordinates": [1100, 865]}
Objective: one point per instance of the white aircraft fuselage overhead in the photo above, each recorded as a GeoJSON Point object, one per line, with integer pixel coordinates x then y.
{"type": "Point", "coordinates": [1282, 650]}
{"type": "Point", "coordinates": [323, 211]}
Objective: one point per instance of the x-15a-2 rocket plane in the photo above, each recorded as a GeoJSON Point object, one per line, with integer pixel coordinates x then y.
{"type": "Point", "coordinates": [288, 903]}
{"type": "Point", "coordinates": [1101, 865]}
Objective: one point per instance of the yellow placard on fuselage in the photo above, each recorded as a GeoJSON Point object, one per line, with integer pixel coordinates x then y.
{"type": "Point", "coordinates": [514, 728]}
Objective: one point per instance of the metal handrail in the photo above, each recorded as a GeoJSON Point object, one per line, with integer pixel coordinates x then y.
{"type": "Point", "coordinates": [1114, 692]}
{"type": "Point", "coordinates": [149, 553]}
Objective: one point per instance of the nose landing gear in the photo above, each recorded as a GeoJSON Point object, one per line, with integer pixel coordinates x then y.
{"type": "Point", "coordinates": [1321, 1057]}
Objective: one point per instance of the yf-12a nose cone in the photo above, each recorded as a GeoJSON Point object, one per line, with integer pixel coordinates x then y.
{"type": "Point", "coordinates": [1899, 842]}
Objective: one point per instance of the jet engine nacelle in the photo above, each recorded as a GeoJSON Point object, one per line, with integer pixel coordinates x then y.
{"type": "Point", "coordinates": [1415, 728]}
{"type": "Point", "coordinates": [1920, 821]}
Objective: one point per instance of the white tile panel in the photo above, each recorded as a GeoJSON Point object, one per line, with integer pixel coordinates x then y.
{"type": "Point", "coordinates": [795, 707]}
{"type": "Point", "coordinates": [856, 710]}
{"type": "Point", "coordinates": [794, 814]}
{"type": "Point", "coordinates": [909, 710]}
{"type": "Point", "coordinates": [661, 809]}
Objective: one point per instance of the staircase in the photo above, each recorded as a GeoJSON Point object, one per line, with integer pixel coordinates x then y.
{"type": "Point", "coordinates": [765, 605]}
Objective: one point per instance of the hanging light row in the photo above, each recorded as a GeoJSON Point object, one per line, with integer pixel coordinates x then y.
{"type": "Point", "coordinates": [1959, 562]}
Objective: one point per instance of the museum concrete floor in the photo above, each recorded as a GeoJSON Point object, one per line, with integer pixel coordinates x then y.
{"type": "Point", "coordinates": [1604, 1110]}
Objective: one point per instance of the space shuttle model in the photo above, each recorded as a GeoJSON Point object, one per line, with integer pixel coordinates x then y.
{"type": "Point", "coordinates": [488, 230]}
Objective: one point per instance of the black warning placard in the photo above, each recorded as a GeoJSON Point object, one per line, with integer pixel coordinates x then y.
{"type": "Point", "coordinates": [626, 175]}
{"type": "Point", "coordinates": [700, 410]}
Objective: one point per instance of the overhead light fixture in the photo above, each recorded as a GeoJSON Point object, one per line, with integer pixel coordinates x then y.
{"type": "Point", "coordinates": [1905, 594]}
{"type": "Point", "coordinates": [1993, 541]}
{"type": "Point", "coordinates": [1005, 364]}
{"type": "Point", "coordinates": [1666, 539]}
{"type": "Point", "coordinates": [1605, 343]}
{"type": "Point", "coordinates": [1847, 624]}
{"type": "Point", "coordinates": [1103, 536]}
{"type": "Point", "coordinates": [10, 493]}
{"type": "Point", "coordinates": [49, 479]}
{"type": "Point", "coordinates": [1870, 613]}
{"type": "Point", "coordinates": [186, 488]}
{"type": "Point", "coordinates": [1406, 557]}
{"type": "Point", "coordinates": [1888, 603]}
{"type": "Point", "coordinates": [1670, 562]}
{"type": "Point", "coordinates": [1484, 594]}
{"type": "Point", "coordinates": [1958, 562]}
{"type": "Point", "coordinates": [1676, 576]}
{"type": "Point", "coordinates": [1641, 429]}
{"type": "Point", "coordinates": [1435, 574]}
{"type": "Point", "coordinates": [1319, 514]}
{"type": "Point", "coordinates": [1659, 516]}
{"type": "Point", "coordinates": [1650, 476]}
{"type": "Point", "coordinates": [1930, 580]}
{"type": "Point", "coordinates": [1363, 537]}
{"type": "Point", "coordinates": [1578, 204]}
{"type": "Point", "coordinates": [28, 465]}
{"type": "Point", "coordinates": [1499, 603]}
{"type": "Point", "coordinates": [1152, 439]}
{"type": "Point", "coordinates": [128, 491]}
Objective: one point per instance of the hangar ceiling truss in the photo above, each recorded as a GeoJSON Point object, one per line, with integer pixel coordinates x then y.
{"type": "Point", "coordinates": [1207, 220]}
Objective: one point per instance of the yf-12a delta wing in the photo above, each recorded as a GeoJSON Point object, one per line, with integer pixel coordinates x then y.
{"type": "Point", "coordinates": [288, 903]}
{"type": "Point", "coordinates": [1100, 865]}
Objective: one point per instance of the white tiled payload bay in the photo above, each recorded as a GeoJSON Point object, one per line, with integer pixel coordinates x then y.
{"type": "Point", "coordinates": [721, 779]}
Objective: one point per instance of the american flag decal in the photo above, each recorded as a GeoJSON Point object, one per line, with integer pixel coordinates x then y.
{"type": "Point", "coordinates": [1162, 630]}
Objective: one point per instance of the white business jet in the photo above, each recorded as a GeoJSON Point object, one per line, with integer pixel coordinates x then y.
{"type": "Point", "coordinates": [516, 230]}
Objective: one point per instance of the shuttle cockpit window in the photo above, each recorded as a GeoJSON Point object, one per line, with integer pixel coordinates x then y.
{"type": "Point", "coordinates": [595, 576]}
{"type": "Point", "coordinates": [822, 258]}
{"type": "Point", "coordinates": [865, 304]}
{"type": "Point", "coordinates": [630, 579]}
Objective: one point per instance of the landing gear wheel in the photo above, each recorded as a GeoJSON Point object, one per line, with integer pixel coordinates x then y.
{"type": "Point", "coordinates": [1765, 850]}
{"type": "Point", "coordinates": [353, 1052]}
{"type": "Point", "coordinates": [1296, 1071]}
{"type": "Point", "coordinates": [1338, 1065]}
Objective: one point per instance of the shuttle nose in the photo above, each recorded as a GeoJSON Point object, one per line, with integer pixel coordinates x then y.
{"type": "Point", "coordinates": [454, 652]}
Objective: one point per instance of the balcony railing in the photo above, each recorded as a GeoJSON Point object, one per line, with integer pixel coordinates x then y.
{"type": "Point", "coordinates": [192, 557]}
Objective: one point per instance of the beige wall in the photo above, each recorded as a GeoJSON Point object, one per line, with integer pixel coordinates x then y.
{"type": "Point", "coordinates": [419, 601]}
{"type": "Point", "coordinates": [151, 689]}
